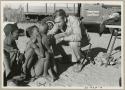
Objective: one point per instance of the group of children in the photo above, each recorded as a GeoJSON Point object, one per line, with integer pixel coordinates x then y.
{"type": "Point", "coordinates": [36, 61]}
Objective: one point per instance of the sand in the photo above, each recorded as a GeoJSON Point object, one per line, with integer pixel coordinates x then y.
{"type": "Point", "coordinates": [91, 75]}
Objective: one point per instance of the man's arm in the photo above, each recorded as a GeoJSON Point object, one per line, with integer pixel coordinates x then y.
{"type": "Point", "coordinates": [60, 35]}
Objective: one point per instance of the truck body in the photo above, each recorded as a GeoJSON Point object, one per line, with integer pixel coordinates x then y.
{"type": "Point", "coordinates": [92, 13]}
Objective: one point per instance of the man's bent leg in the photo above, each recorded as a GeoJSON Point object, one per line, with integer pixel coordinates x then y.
{"type": "Point", "coordinates": [75, 46]}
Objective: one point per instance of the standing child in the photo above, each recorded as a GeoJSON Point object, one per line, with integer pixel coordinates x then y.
{"type": "Point", "coordinates": [49, 64]}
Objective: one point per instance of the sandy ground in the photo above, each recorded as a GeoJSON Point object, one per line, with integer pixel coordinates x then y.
{"type": "Point", "coordinates": [91, 75]}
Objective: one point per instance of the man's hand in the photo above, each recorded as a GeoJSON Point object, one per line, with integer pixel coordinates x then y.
{"type": "Point", "coordinates": [62, 39]}
{"type": "Point", "coordinates": [60, 35]}
{"type": "Point", "coordinates": [59, 40]}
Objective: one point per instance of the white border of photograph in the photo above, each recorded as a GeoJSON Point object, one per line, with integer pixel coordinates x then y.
{"type": "Point", "coordinates": [84, 87]}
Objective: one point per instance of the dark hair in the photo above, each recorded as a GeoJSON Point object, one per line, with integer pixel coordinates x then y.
{"type": "Point", "coordinates": [10, 28]}
{"type": "Point", "coordinates": [29, 30]}
{"type": "Point", "coordinates": [59, 12]}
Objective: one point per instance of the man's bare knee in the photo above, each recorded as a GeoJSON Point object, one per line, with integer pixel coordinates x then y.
{"type": "Point", "coordinates": [75, 46]}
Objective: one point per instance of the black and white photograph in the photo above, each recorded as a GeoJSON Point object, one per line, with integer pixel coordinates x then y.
{"type": "Point", "coordinates": [62, 44]}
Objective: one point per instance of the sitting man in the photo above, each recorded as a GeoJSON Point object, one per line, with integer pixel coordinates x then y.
{"type": "Point", "coordinates": [70, 31]}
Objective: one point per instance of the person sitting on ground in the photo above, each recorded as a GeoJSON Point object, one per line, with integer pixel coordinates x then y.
{"type": "Point", "coordinates": [12, 55]}
{"type": "Point", "coordinates": [42, 65]}
{"type": "Point", "coordinates": [33, 51]}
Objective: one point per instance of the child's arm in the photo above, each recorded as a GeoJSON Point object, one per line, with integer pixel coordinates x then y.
{"type": "Point", "coordinates": [37, 50]}
{"type": "Point", "coordinates": [40, 45]}
{"type": "Point", "coordinates": [28, 46]}
{"type": "Point", "coordinates": [46, 43]}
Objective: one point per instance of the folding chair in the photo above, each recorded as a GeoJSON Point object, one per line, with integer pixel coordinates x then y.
{"type": "Point", "coordinates": [85, 50]}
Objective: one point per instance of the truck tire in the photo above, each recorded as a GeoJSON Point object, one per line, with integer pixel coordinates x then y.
{"type": "Point", "coordinates": [50, 21]}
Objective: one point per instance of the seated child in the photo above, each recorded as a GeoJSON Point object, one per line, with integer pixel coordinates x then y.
{"type": "Point", "coordinates": [37, 54]}
{"type": "Point", "coordinates": [34, 48]}
{"type": "Point", "coordinates": [11, 51]}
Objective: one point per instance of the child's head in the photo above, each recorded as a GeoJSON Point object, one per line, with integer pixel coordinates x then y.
{"type": "Point", "coordinates": [13, 30]}
{"type": "Point", "coordinates": [43, 28]}
{"type": "Point", "coordinates": [32, 31]}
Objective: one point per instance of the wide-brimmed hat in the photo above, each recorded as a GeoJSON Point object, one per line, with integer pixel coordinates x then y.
{"type": "Point", "coordinates": [9, 28]}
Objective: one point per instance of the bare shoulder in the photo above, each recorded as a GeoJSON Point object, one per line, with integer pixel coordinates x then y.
{"type": "Point", "coordinates": [7, 40]}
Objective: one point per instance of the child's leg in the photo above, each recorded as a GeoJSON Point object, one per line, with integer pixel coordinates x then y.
{"type": "Point", "coordinates": [52, 74]}
{"type": "Point", "coordinates": [48, 68]}
{"type": "Point", "coordinates": [46, 64]}
{"type": "Point", "coordinates": [53, 70]}
{"type": "Point", "coordinates": [38, 68]}
{"type": "Point", "coordinates": [28, 55]}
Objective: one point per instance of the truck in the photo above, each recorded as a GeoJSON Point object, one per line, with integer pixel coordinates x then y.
{"type": "Point", "coordinates": [91, 14]}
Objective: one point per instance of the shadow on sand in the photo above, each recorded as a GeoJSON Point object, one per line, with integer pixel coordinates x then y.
{"type": "Point", "coordinates": [63, 64]}
{"type": "Point", "coordinates": [62, 67]}
{"type": "Point", "coordinates": [94, 51]}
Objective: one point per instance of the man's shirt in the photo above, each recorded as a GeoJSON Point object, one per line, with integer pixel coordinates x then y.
{"type": "Point", "coordinates": [73, 31]}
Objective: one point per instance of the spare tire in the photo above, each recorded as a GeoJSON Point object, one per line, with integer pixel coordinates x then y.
{"type": "Point", "coordinates": [50, 21]}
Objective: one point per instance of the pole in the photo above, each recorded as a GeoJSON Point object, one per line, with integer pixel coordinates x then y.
{"type": "Point", "coordinates": [74, 8]}
{"type": "Point", "coordinates": [110, 52]}
{"type": "Point", "coordinates": [54, 7]}
{"type": "Point", "coordinates": [116, 33]}
{"type": "Point", "coordinates": [110, 40]}
{"type": "Point", "coordinates": [79, 10]}
{"type": "Point", "coordinates": [27, 7]}
{"type": "Point", "coordinates": [46, 8]}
